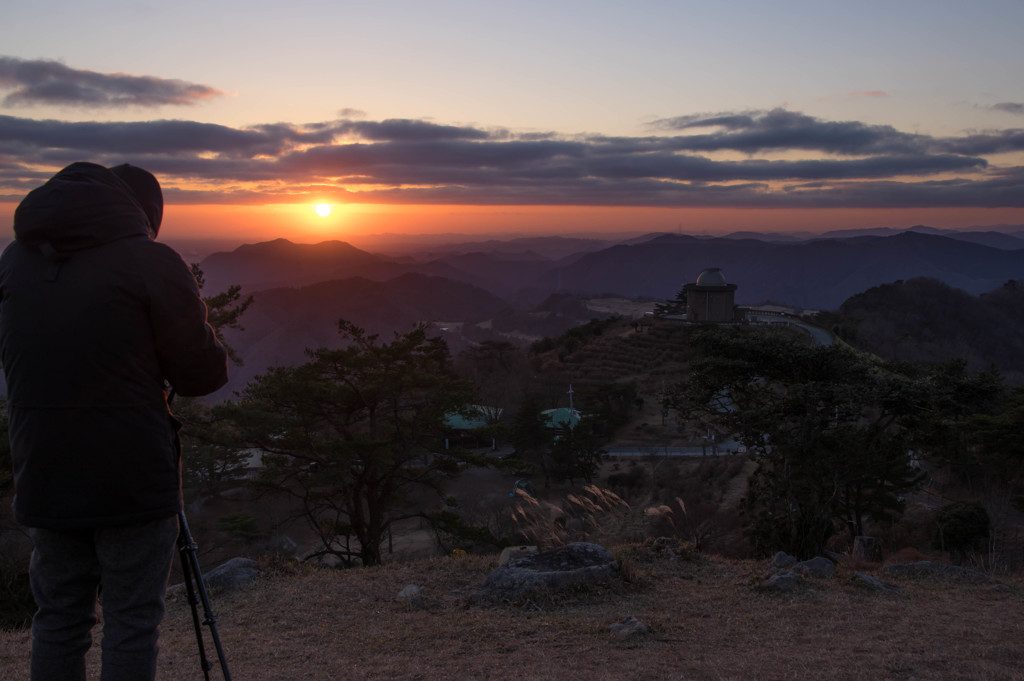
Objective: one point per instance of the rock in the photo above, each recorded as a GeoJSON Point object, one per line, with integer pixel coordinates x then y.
{"type": "Point", "coordinates": [514, 552]}
{"type": "Point", "coordinates": [819, 568]}
{"type": "Point", "coordinates": [927, 569]}
{"type": "Point", "coordinates": [782, 580]}
{"type": "Point", "coordinates": [873, 583]}
{"type": "Point", "coordinates": [629, 628]}
{"type": "Point", "coordinates": [413, 597]}
{"type": "Point", "coordinates": [410, 591]}
{"type": "Point", "coordinates": [235, 573]}
{"type": "Point", "coordinates": [576, 563]}
{"type": "Point", "coordinates": [282, 545]}
{"type": "Point", "coordinates": [782, 560]}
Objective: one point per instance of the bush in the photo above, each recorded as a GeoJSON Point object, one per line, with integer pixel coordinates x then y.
{"type": "Point", "coordinates": [634, 479]}
{"type": "Point", "coordinates": [961, 527]}
{"type": "Point", "coordinates": [240, 525]}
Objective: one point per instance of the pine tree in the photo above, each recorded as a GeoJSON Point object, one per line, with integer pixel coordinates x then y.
{"type": "Point", "coordinates": [353, 432]}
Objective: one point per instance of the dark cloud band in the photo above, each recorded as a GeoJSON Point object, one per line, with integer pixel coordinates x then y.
{"type": "Point", "coordinates": [1010, 107]}
{"type": "Point", "coordinates": [47, 82]}
{"type": "Point", "coordinates": [792, 160]}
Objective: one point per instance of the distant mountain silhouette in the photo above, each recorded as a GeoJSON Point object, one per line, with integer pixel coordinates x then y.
{"type": "Point", "coordinates": [302, 290]}
{"type": "Point", "coordinates": [818, 274]}
{"type": "Point", "coordinates": [282, 263]}
{"type": "Point", "coordinates": [282, 323]}
{"type": "Point", "coordinates": [493, 289]}
{"type": "Point", "coordinates": [500, 273]}
{"type": "Point", "coordinates": [924, 320]}
{"type": "Point", "coordinates": [986, 238]}
{"type": "Point", "coordinates": [993, 239]}
{"type": "Point", "coordinates": [762, 236]}
{"type": "Point", "coordinates": [881, 231]}
{"type": "Point", "coordinates": [547, 247]}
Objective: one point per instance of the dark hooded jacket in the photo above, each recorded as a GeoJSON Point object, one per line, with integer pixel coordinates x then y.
{"type": "Point", "coordinates": [95, 316]}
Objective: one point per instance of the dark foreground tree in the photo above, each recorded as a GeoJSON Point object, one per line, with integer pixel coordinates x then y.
{"type": "Point", "coordinates": [611, 403]}
{"type": "Point", "coordinates": [499, 372]}
{"type": "Point", "coordinates": [576, 452]}
{"type": "Point", "coordinates": [1000, 445]}
{"type": "Point", "coordinates": [532, 438]}
{"type": "Point", "coordinates": [224, 310]}
{"type": "Point", "coordinates": [212, 455]}
{"type": "Point", "coordinates": [944, 427]}
{"type": "Point", "coordinates": [825, 425]}
{"type": "Point", "coordinates": [961, 527]}
{"type": "Point", "coordinates": [353, 432]}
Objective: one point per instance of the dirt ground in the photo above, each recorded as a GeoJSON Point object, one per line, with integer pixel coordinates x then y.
{"type": "Point", "coordinates": [706, 620]}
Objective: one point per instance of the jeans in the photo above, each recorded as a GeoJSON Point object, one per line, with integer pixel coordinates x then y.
{"type": "Point", "coordinates": [129, 567]}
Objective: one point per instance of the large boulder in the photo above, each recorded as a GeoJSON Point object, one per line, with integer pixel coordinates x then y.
{"type": "Point", "coordinates": [511, 553]}
{"type": "Point", "coordinates": [870, 582]}
{"type": "Point", "coordinates": [561, 568]}
{"type": "Point", "coordinates": [818, 567]}
{"type": "Point", "coordinates": [782, 560]}
{"type": "Point", "coordinates": [235, 573]}
{"type": "Point", "coordinates": [781, 580]}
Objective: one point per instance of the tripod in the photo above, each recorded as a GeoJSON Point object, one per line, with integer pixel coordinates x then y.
{"type": "Point", "coordinates": [196, 590]}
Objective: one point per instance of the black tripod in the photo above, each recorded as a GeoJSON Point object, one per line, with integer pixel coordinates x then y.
{"type": "Point", "coordinates": [196, 590]}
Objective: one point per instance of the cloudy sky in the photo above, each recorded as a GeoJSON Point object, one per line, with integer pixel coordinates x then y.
{"type": "Point", "coordinates": [525, 116]}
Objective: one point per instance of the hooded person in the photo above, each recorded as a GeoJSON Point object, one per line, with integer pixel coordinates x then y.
{"type": "Point", "coordinates": [96, 319]}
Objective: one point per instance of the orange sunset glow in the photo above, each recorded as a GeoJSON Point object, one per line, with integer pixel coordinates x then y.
{"type": "Point", "coordinates": [299, 223]}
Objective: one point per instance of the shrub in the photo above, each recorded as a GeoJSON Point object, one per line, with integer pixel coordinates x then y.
{"type": "Point", "coordinates": [634, 479]}
{"type": "Point", "coordinates": [241, 526]}
{"type": "Point", "coordinates": [961, 527]}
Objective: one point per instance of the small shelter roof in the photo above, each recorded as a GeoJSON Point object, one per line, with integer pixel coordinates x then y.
{"type": "Point", "coordinates": [556, 418]}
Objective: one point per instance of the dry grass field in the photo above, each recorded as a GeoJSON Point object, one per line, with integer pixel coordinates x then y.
{"type": "Point", "coordinates": [706, 616]}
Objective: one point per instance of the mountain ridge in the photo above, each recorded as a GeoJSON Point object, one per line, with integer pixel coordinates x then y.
{"type": "Point", "coordinates": [816, 273]}
{"type": "Point", "coordinates": [486, 295]}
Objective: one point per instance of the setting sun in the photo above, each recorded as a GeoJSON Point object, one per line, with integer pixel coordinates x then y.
{"type": "Point", "coordinates": [323, 209]}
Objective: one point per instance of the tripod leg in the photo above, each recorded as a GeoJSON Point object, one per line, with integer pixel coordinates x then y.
{"type": "Point", "coordinates": [186, 546]}
{"type": "Point", "coordinates": [198, 594]}
{"type": "Point", "coordinates": [197, 590]}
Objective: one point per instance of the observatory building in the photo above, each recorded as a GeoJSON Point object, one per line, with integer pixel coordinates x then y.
{"type": "Point", "coordinates": [711, 299]}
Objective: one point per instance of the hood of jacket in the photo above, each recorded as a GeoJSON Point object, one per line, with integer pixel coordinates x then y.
{"type": "Point", "coordinates": [83, 206]}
